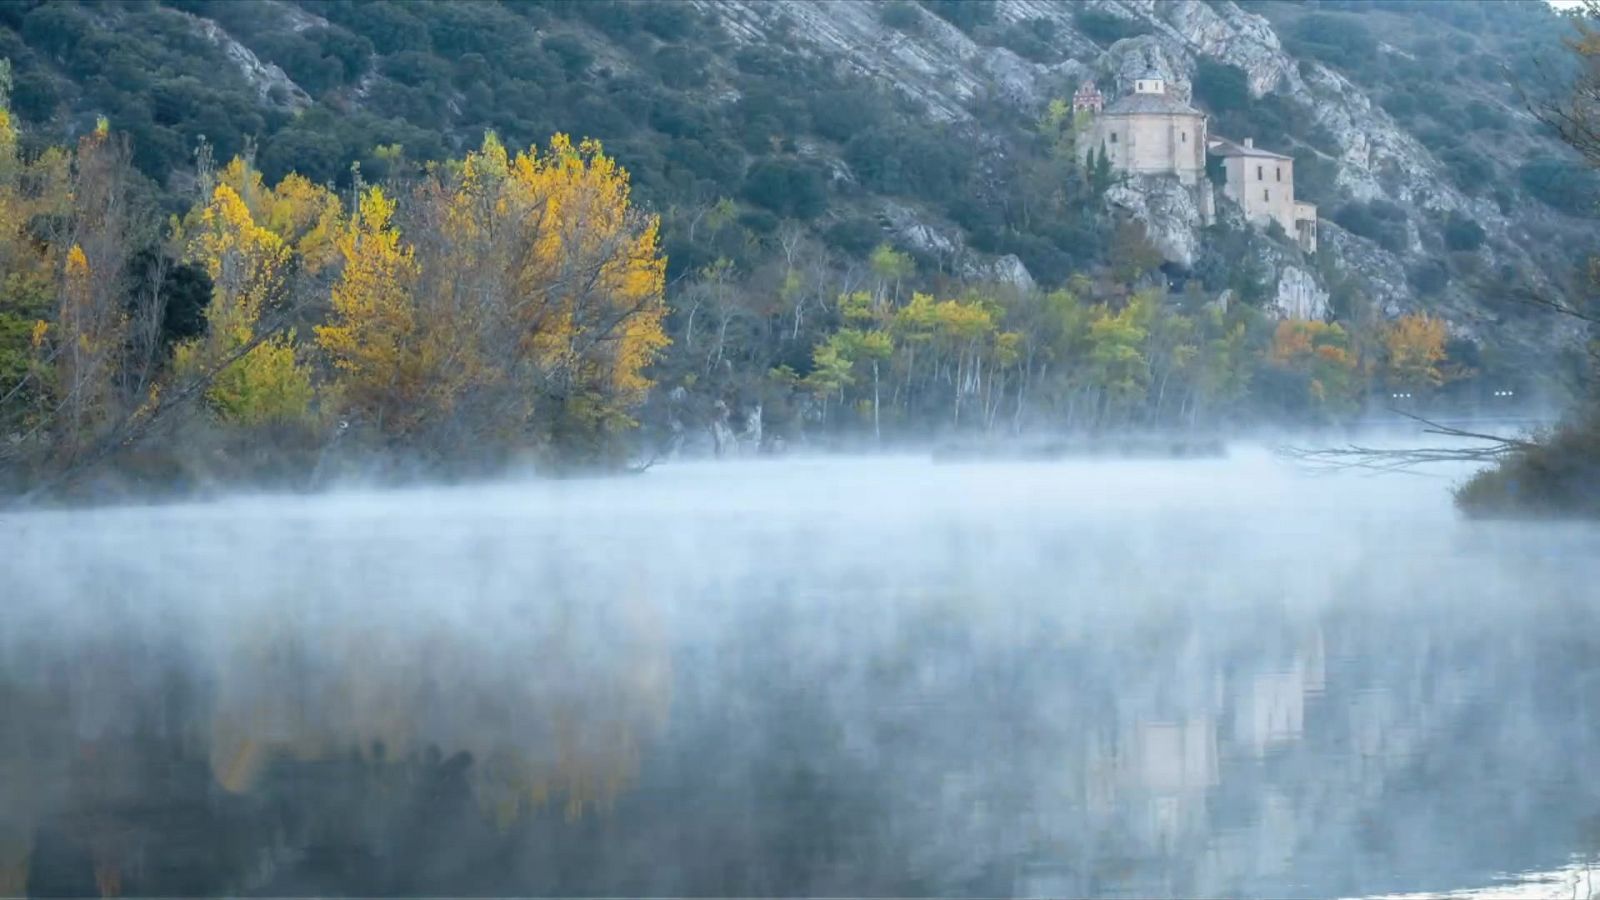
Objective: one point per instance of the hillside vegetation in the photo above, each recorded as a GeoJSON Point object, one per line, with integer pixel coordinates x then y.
{"type": "Point", "coordinates": [854, 245]}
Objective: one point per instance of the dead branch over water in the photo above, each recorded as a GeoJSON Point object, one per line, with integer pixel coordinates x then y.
{"type": "Point", "coordinates": [1492, 448]}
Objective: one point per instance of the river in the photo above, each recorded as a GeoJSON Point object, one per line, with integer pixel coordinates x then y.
{"type": "Point", "coordinates": [879, 676]}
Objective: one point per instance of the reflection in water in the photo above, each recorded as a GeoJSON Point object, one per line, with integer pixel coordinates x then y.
{"type": "Point", "coordinates": [1578, 880]}
{"type": "Point", "coordinates": [882, 677]}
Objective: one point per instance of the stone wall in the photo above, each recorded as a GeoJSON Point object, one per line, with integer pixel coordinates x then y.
{"type": "Point", "coordinates": [1153, 144]}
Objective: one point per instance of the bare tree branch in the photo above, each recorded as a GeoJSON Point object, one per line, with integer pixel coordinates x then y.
{"type": "Point", "coordinates": [1376, 459]}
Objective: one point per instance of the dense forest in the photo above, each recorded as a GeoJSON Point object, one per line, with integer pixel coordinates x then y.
{"type": "Point", "coordinates": [290, 240]}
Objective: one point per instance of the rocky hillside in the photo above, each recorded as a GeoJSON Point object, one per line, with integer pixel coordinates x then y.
{"type": "Point", "coordinates": [908, 122]}
{"type": "Point", "coordinates": [1363, 163]}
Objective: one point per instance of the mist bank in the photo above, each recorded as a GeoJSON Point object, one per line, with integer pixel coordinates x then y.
{"type": "Point", "coordinates": [341, 467]}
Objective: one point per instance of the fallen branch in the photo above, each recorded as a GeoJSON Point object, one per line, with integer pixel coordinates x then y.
{"type": "Point", "coordinates": [1385, 461]}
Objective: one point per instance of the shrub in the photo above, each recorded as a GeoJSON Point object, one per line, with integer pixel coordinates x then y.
{"type": "Point", "coordinates": [759, 221]}
{"type": "Point", "coordinates": [787, 187]}
{"type": "Point", "coordinates": [963, 14]}
{"type": "Point", "coordinates": [1462, 233]}
{"type": "Point", "coordinates": [570, 52]}
{"type": "Point", "coordinates": [1314, 177]}
{"type": "Point", "coordinates": [681, 67]}
{"type": "Point", "coordinates": [35, 95]}
{"type": "Point", "coordinates": [1470, 171]}
{"type": "Point", "coordinates": [668, 21]}
{"type": "Point", "coordinates": [1400, 104]}
{"type": "Point", "coordinates": [906, 160]}
{"type": "Point", "coordinates": [314, 154]}
{"type": "Point", "coordinates": [414, 68]}
{"type": "Point", "coordinates": [1559, 476]}
{"type": "Point", "coordinates": [1026, 43]}
{"type": "Point", "coordinates": [1428, 278]}
{"type": "Point", "coordinates": [901, 16]}
{"type": "Point", "coordinates": [1221, 87]}
{"type": "Point", "coordinates": [855, 236]}
{"type": "Point", "coordinates": [1340, 40]}
{"type": "Point", "coordinates": [1105, 28]}
{"type": "Point", "coordinates": [1378, 221]}
{"type": "Point", "coordinates": [1565, 186]}
{"type": "Point", "coordinates": [1484, 116]}
{"type": "Point", "coordinates": [841, 114]}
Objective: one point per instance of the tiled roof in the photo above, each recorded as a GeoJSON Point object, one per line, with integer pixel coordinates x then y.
{"type": "Point", "coordinates": [1221, 146]}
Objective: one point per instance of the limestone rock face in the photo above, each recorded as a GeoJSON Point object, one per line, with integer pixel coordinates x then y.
{"type": "Point", "coordinates": [1007, 270]}
{"type": "Point", "coordinates": [1133, 58]}
{"type": "Point", "coordinates": [916, 233]}
{"type": "Point", "coordinates": [1169, 210]}
{"type": "Point", "coordinates": [272, 84]}
{"type": "Point", "coordinates": [939, 65]}
{"type": "Point", "coordinates": [1383, 274]}
{"type": "Point", "coordinates": [1298, 296]}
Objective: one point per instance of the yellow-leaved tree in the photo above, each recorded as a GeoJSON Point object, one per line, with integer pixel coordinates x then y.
{"type": "Point", "coordinates": [551, 285]}
{"type": "Point", "coordinates": [388, 365]}
{"type": "Point", "coordinates": [307, 217]}
{"type": "Point", "coordinates": [248, 264]}
{"type": "Point", "coordinates": [1414, 351]}
{"type": "Point", "coordinates": [28, 277]}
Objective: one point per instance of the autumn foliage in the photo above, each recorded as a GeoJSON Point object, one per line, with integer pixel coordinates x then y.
{"type": "Point", "coordinates": [521, 300]}
{"type": "Point", "coordinates": [1414, 346]}
{"type": "Point", "coordinates": [502, 303]}
{"type": "Point", "coordinates": [1320, 354]}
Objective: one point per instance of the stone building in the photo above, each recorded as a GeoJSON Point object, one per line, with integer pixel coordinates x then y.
{"type": "Point", "coordinates": [1151, 132]}
{"type": "Point", "coordinates": [1262, 183]}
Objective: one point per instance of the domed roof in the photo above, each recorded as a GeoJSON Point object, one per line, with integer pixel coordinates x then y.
{"type": "Point", "coordinates": [1165, 103]}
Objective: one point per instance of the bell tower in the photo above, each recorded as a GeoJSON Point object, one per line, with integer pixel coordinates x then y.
{"type": "Point", "coordinates": [1150, 83]}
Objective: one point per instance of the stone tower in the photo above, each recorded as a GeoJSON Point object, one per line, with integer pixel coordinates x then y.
{"type": "Point", "coordinates": [1088, 99]}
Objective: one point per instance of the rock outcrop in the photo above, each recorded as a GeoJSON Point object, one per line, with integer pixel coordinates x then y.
{"type": "Point", "coordinates": [272, 84]}
{"type": "Point", "coordinates": [1298, 295]}
{"type": "Point", "coordinates": [1171, 213]}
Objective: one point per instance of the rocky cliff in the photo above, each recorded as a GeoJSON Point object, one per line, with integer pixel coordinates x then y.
{"type": "Point", "coordinates": [1371, 156]}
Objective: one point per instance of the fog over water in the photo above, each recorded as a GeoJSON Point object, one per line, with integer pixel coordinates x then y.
{"type": "Point", "coordinates": [876, 676]}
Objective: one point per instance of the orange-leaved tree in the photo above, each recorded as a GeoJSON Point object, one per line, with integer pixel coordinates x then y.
{"type": "Point", "coordinates": [1318, 352]}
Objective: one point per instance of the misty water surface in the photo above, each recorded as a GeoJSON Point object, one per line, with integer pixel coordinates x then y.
{"type": "Point", "coordinates": [841, 677]}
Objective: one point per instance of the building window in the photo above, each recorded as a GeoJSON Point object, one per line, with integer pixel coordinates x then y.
{"type": "Point", "coordinates": [1259, 176]}
{"type": "Point", "coordinates": [1184, 135]}
{"type": "Point", "coordinates": [1266, 195]}
{"type": "Point", "coordinates": [1113, 137]}
{"type": "Point", "coordinates": [1279, 171]}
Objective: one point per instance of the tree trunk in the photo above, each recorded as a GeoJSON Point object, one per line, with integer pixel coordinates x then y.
{"type": "Point", "coordinates": [877, 432]}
